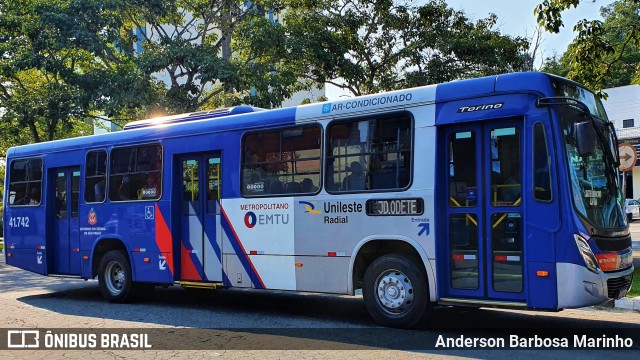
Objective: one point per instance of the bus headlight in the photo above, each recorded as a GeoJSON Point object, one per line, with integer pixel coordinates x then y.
{"type": "Point", "coordinates": [587, 255]}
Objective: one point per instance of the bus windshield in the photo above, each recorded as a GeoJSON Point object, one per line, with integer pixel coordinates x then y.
{"type": "Point", "coordinates": [594, 179]}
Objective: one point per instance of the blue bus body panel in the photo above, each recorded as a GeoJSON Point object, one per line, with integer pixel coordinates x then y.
{"type": "Point", "coordinates": [278, 117]}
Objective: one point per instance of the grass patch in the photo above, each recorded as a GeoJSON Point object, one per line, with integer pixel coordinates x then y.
{"type": "Point", "coordinates": [635, 288]}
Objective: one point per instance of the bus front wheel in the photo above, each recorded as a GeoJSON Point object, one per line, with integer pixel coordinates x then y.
{"type": "Point", "coordinates": [395, 291]}
{"type": "Point", "coordinates": [114, 276]}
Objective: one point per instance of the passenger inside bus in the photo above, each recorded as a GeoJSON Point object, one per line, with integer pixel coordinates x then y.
{"type": "Point", "coordinates": [124, 189]}
{"type": "Point", "coordinates": [99, 191]}
{"type": "Point", "coordinates": [150, 189]}
{"type": "Point", "coordinates": [33, 197]}
{"type": "Point", "coordinates": [356, 180]}
{"type": "Point", "coordinates": [306, 186]}
{"type": "Point", "coordinates": [511, 186]}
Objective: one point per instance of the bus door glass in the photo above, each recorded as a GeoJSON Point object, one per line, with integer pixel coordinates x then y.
{"type": "Point", "coordinates": [201, 246]}
{"type": "Point", "coordinates": [66, 195]}
{"type": "Point", "coordinates": [484, 211]}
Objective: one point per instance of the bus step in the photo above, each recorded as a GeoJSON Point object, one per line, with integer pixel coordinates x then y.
{"type": "Point", "coordinates": [482, 303]}
{"type": "Point", "coordinates": [200, 285]}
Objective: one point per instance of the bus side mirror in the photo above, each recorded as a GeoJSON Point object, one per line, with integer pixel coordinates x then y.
{"type": "Point", "coordinates": [585, 137]}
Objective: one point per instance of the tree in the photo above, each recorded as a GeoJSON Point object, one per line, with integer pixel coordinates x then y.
{"type": "Point", "coordinates": [366, 46]}
{"type": "Point", "coordinates": [189, 43]}
{"type": "Point", "coordinates": [59, 66]}
{"type": "Point", "coordinates": [604, 53]}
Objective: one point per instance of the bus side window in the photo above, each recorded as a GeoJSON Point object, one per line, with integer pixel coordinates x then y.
{"type": "Point", "coordinates": [277, 162]}
{"type": "Point", "coordinates": [25, 182]}
{"type": "Point", "coordinates": [541, 165]}
{"type": "Point", "coordinates": [136, 173]}
{"type": "Point", "coordinates": [95, 176]}
{"type": "Point", "coordinates": [369, 154]}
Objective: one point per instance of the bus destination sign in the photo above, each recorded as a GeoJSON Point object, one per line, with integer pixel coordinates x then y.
{"type": "Point", "coordinates": [395, 207]}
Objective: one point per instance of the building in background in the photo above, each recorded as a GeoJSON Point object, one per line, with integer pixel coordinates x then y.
{"type": "Point", "coordinates": [623, 108]}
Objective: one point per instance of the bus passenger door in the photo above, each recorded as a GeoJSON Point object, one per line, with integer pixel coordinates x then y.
{"type": "Point", "coordinates": [200, 245]}
{"type": "Point", "coordinates": [66, 237]}
{"type": "Point", "coordinates": [484, 246]}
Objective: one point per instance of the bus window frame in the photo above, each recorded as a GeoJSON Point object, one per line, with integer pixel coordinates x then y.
{"type": "Point", "coordinates": [374, 115]}
{"type": "Point", "coordinates": [549, 163]}
{"type": "Point", "coordinates": [161, 172]}
{"type": "Point", "coordinates": [282, 128]}
{"type": "Point", "coordinates": [8, 189]}
{"type": "Point", "coordinates": [106, 174]}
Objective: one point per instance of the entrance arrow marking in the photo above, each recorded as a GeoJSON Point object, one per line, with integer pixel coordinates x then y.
{"type": "Point", "coordinates": [424, 228]}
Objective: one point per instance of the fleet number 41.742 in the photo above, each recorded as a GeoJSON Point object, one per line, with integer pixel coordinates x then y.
{"type": "Point", "coordinates": [19, 221]}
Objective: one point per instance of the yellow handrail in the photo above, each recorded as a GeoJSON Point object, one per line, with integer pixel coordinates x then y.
{"type": "Point", "coordinates": [469, 218]}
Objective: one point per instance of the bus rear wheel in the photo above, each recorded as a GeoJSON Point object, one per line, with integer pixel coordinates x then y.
{"type": "Point", "coordinates": [114, 276]}
{"type": "Point", "coordinates": [395, 291]}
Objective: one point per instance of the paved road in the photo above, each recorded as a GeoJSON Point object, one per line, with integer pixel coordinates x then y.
{"type": "Point", "coordinates": [33, 301]}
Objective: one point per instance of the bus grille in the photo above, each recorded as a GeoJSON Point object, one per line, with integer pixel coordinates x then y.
{"type": "Point", "coordinates": [613, 244]}
{"type": "Point", "coordinates": [616, 284]}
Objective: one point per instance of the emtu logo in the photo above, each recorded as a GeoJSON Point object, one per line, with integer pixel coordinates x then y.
{"type": "Point", "coordinates": [310, 207]}
{"type": "Point", "coordinates": [250, 219]}
{"type": "Point", "coordinates": [326, 108]}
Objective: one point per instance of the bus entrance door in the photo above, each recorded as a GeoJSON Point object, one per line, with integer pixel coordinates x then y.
{"type": "Point", "coordinates": [484, 245]}
{"type": "Point", "coordinates": [65, 191]}
{"type": "Point", "coordinates": [200, 245]}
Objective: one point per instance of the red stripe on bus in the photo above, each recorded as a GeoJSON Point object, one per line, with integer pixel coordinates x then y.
{"type": "Point", "coordinates": [164, 240]}
{"type": "Point", "coordinates": [187, 267]}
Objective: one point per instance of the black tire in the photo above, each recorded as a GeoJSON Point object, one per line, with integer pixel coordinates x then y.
{"type": "Point", "coordinates": [395, 291]}
{"type": "Point", "coordinates": [629, 218]}
{"type": "Point", "coordinates": [114, 277]}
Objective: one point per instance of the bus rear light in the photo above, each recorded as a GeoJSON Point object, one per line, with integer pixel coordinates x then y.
{"type": "Point", "coordinates": [139, 250]}
{"type": "Point", "coordinates": [146, 259]}
{"type": "Point", "coordinates": [40, 247]}
{"type": "Point", "coordinates": [457, 257]}
{"type": "Point", "coordinates": [76, 250]}
{"type": "Point", "coordinates": [85, 257]}
{"type": "Point", "coordinates": [9, 255]}
{"type": "Point", "coordinates": [587, 255]}
{"type": "Point", "coordinates": [298, 264]}
{"type": "Point", "coordinates": [253, 252]}
{"type": "Point", "coordinates": [332, 253]}
{"type": "Point", "coordinates": [542, 273]}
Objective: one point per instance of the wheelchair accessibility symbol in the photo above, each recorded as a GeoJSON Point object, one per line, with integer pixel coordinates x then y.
{"type": "Point", "coordinates": [149, 212]}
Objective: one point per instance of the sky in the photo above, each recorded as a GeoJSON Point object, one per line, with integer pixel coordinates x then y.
{"type": "Point", "coordinates": [515, 17]}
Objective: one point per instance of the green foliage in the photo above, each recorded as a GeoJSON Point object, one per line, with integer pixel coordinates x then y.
{"type": "Point", "coordinates": [59, 66]}
{"type": "Point", "coordinates": [604, 53]}
{"type": "Point", "coordinates": [557, 65]}
{"type": "Point", "coordinates": [190, 43]}
{"type": "Point", "coordinates": [635, 287]}
{"type": "Point", "coordinates": [367, 46]}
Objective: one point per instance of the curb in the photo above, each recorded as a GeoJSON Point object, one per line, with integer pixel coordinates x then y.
{"type": "Point", "coordinates": [628, 304]}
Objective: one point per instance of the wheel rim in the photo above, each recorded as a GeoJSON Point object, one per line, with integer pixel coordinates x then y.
{"type": "Point", "coordinates": [115, 277]}
{"type": "Point", "coordinates": [394, 291]}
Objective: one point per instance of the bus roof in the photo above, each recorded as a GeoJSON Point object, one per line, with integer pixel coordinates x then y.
{"type": "Point", "coordinates": [246, 117]}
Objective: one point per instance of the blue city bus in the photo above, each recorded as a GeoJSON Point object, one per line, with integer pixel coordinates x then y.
{"type": "Point", "coordinates": [500, 191]}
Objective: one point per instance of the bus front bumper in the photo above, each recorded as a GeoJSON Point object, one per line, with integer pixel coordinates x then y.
{"type": "Point", "coordinates": [579, 287]}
